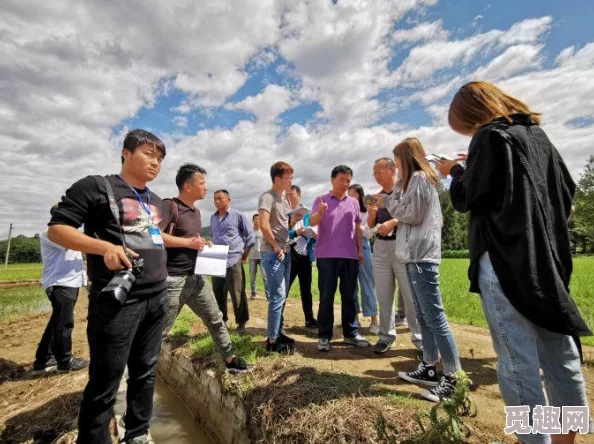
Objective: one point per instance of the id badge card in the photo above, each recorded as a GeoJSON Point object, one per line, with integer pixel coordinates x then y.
{"type": "Point", "coordinates": [155, 233]}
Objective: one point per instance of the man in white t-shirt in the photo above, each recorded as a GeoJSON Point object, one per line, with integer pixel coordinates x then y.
{"type": "Point", "coordinates": [63, 275]}
{"type": "Point", "coordinates": [254, 258]}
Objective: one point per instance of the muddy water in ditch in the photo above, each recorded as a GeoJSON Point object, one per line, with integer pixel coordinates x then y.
{"type": "Point", "coordinates": [172, 423]}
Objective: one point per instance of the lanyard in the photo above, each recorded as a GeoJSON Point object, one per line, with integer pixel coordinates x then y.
{"type": "Point", "coordinates": [147, 207]}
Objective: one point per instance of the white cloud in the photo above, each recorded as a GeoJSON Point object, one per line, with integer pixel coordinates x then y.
{"type": "Point", "coordinates": [72, 72]}
{"type": "Point", "coordinates": [268, 105]}
{"type": "Point", "coordinates": [422, 32]}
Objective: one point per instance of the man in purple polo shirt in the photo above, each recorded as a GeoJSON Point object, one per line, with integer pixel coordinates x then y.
{"type": "Point", "coordinates": [338, 252]}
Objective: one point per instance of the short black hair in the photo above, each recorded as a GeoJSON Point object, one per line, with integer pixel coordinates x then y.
{"type": "Point", "coordinates": [279, 169]}
{"type": "Point", "coordinates": [186, 172]}
{"type": "Point", "coordinates": [360, 195]}
{"type": "Point", "coordinates": [254, 216]}
{"type": "Point", "coordinates": [296, 188]}
{"type": "Point", "coordinates": [138, 137]}
{"type": "Point", "coordinates": [222, 191]}
{"type": "Point", "coordinates": [341, 169]}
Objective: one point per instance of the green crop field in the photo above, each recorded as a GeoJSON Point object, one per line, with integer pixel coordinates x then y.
{"type": "Point", "coordinates": [20, 272]}
{"type": "Point", "coordinates": [463, 307]}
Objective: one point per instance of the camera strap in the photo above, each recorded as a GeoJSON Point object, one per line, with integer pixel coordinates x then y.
{"type": "Point", "coordinates": [113, 205]}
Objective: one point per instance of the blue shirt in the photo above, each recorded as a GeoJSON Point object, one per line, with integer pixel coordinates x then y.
{"type": "Point", "coordinates": [232, 229]}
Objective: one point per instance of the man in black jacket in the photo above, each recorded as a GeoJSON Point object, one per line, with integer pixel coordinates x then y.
{"type": "Point", "coordinates": [127, 333]}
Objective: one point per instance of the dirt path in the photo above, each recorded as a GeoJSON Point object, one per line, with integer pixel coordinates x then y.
{"type": "Point", "coordinates": [40, 409]}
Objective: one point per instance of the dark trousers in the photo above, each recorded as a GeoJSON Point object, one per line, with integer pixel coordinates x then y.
{"type": "Point", "coordinates": [119, 335]}
{"type": "Point", "coordinates": [301, 268]}
{"type": "Point", "coordinates": [57, 337]}
{"type": "Point", "coordinates": [234, 284]}
{"type": "Point", "coordinates": [330, 271]}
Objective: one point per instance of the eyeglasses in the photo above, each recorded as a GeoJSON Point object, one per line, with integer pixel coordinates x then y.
{"type": "Point", "coordinates": [374, 174]}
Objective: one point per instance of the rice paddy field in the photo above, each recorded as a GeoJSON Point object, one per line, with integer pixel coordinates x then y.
{"type": "Point", "coordinates": [461, 306]}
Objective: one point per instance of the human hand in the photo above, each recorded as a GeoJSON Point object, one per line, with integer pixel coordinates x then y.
{"type": "Point", "coordinates": [384, 229]}
{"type": "Point", "coordinates": [372, 211]}
{"type": "Point", "coordinates": [196, 243]}
{"type": "Point", "coordinates": [322, 208]}
{"type": "Point", "coordinates": [300, 231]}
{"type": "Point", "coordinates": [360, 256]}
{"type": "Point", "coordinates": [115, 257]}
{"type": "Point", "coordinates": [445, 166]}
{"type": "Point", "coordinates": [280, 253]}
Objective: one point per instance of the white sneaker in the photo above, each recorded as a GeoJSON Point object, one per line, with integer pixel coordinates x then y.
{"type": "Point", "coordinates": [374, 328]}
{"type": "Point", "coordinates": [357, 341]}
{"type": "Point", "coordinates": [324, 345]}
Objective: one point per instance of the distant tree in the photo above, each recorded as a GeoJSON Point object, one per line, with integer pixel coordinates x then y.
{"type": "Point", "coordinates": [454, 234]}
{"type": "Point", "coordinates": [582, 226]}
{"type": "Point", "coordinates": [23, 249]}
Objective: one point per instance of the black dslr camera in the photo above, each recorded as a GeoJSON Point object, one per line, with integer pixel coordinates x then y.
{"type": "Point", "coordinates": [120, 284]}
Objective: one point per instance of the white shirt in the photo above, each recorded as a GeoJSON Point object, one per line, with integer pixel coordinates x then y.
{"type": "Point", "coordinates": [61, 267]}
{"type": "Point", "coordinates": [300, 242]}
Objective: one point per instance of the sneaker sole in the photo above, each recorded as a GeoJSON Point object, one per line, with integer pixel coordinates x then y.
{"type": "Point", "coordinates": [323, 349]}
{"type": "Point", "coordinates": [45, 371]}
{"type": "Point", "coordinates": [430, 396]}
{"type": "Point", "coordinates": [236, 371]}
{"type": "Point", "coordinates": [357, 344]}
{"type": "Point", "coordinates": [382, 351]}
{"type": "Point", "coordinates": [407, 378]}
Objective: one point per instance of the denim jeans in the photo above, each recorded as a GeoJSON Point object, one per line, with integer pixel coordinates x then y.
{"type": "Point", "coordinates": [121, 335]}
{"type": "Point", "coordinates": [254, 264]}
{"type": "Point", "coordinates": [387, 270]}
{"type": "Point", "coordinates": [423, 278]}
{"type": "Point", "coordinates": [523, 348]}
{"type": "Point", "coordinates": [57, 337]}
{"type": "Point", "coordinates": [278, 274]}
{"type": "Point", "coordinates": [368, 304]}
{"type": "Point", "coordinates": [330, 271]}
{"type": "Point", "coordinates": [301, 269]}
{"type": "Point", "coordinates": [196, 292]}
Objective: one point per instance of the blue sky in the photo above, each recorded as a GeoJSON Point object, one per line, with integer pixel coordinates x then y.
{"type": "Point", "coordinates": [238, 85]}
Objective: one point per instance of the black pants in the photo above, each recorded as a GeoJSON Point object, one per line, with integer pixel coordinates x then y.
{"type": "Point", "coordinates": [329, 273]}
{"type": "Point", "coordinates": [234, 284]}
{"type": "Point", "coordinates": [57, 337]}
{"type": "Point", "coordinates": [119, 336]}
{"type": "Point", "coordinates": [301, 268]}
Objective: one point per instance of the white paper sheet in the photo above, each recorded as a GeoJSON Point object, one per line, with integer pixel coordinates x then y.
{"type": "Point", "coordinates": [212, 261]}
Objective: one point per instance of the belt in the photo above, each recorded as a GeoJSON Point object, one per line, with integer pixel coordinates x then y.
{"type": "Point", "coordinates": [386, 238]}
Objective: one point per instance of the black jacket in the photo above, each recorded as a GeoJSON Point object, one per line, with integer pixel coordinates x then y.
{"type": "Point", "coordinates": [519, 194]}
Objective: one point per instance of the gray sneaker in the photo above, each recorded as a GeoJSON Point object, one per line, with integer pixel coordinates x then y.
{"type": "Point", "coordinates": [142, 439]}
{"type": "Point", "coordinates": [381, 347]}
{"type": "Point", "coordinates": [357, 341]}
{"type": "Point", "coordinates": [324, 345]}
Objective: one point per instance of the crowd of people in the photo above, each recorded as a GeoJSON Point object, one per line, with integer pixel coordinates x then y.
{"type": "Point", "coordinates": [141, 253]}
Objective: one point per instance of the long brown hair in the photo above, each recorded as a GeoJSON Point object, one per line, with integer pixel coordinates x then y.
{"type": "Point", "coordinates": [478, 103]}
{"type": "Point", "coordinates": [412, 158]}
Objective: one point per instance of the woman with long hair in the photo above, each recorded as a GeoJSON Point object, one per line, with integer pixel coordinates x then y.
{"type": "Point", "coordinates": [418, 245]}
{"type": "Point", "coordinates": [367, 302]}
{"type": "Point", "coordinates": [519, 193]}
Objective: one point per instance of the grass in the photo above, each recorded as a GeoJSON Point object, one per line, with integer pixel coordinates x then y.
{"type": "Point", "coordinates": [19, 300]}
{"type": "Point", "coordinates": [20, 272]}
{"type": "Point", "coordinates": [463, 307]}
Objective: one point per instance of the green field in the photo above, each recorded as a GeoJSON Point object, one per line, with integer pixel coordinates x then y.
{"type": "Point", "coordinates": [20, 272]}
{"type": "Point", "coordinates": [461, 306]}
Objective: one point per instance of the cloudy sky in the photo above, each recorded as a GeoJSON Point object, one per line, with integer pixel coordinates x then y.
{"type": "Point", "coordinates": [237, 85]}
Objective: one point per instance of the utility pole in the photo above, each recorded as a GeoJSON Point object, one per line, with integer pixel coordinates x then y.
{"type": "Point", "coordinates": [8, 247]}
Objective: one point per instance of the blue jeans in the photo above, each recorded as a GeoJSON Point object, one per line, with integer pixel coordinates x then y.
{"type": "Point", "coordinates": [366, 284]}
{"type": "Point", "coordinates": [523, 348]}
{"type": "Point", "coordinates": [437, 337]}
{"type": "Point", "coordinates": [277, 280]}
